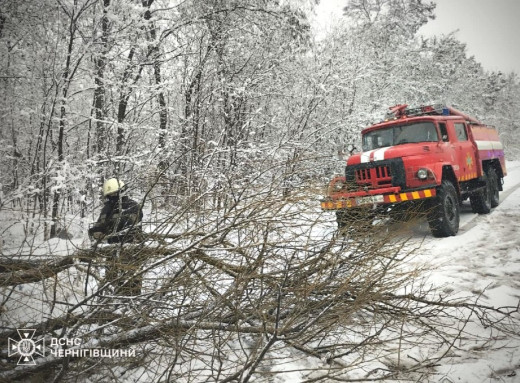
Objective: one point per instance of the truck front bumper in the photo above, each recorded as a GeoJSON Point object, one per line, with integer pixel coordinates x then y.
{"type": "Point", "coordinates": [338, 201]}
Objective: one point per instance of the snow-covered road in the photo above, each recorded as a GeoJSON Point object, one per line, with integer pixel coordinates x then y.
{"type": "Point", "coordinates": [482, 260]}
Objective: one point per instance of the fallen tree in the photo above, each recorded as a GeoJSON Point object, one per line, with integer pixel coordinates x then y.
{"type": "Point", "coordinates": [244, 292]}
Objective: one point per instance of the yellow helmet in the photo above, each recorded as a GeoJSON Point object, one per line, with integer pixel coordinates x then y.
{"type": "Point", "coordinates": [112, 186]}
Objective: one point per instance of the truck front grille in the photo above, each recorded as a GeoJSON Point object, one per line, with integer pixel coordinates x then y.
{"type": "Point", "coordinates": [376, 174]}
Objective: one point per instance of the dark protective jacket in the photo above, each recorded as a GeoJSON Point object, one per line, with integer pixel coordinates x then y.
{"type": "Point", "coordinates": [119, 220]}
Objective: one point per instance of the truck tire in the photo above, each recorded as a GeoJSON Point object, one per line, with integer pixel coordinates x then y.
{"type": "Point", "coordinates": [493, 186]}
{"type": "Point", "coordinates": [444, 215]}
{"type": "Point", "coordinates": [483, 201]}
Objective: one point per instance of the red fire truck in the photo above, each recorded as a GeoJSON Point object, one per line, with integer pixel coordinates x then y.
{"type": "Point", "coordinates": [431, 156]}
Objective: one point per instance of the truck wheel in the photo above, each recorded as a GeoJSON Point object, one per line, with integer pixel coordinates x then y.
{"type": "Point", "coordinates": [444, 215]}
{"type": "Point", "coordinates": [482, 202]}
{"type": "Point", "coordinates": [493, 186]}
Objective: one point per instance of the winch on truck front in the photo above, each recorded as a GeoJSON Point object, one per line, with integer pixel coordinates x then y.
{"type": "Point", "coordinates": [434, 155]}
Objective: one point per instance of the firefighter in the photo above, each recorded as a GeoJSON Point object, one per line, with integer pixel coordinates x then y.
{"type": "Point", "coordinates": [119, 222]}
{"type": "Point", "coordinates": [120, 218]}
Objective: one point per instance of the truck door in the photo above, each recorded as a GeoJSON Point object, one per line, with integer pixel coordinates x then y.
{"type": "Point", "coordinates": [465, 153]}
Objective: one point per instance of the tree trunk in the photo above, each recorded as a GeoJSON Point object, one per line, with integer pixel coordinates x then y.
{"type": "Point", "coordinates": [99, 92]}
{"type": "Point", "coordinates": [154, 54]}
{"type": "Point", "coordinates": [61, 131]}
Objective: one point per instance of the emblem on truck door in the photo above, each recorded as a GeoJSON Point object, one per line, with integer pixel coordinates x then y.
{"type": "Point", "coordinates": [469, 160]}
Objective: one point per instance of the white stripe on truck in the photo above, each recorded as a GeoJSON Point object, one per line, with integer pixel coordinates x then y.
{"type": "Point", "coordinates": [376, 154]}
{"type": "Point", "coordinates": [489, 145]}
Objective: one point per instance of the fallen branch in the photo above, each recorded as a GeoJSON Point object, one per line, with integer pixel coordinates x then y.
{"type": "Point", "coordinates": [40, 270]}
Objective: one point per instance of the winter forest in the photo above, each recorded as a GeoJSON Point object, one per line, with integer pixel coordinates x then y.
{"type": "Point", "coordinates": [226, 119]}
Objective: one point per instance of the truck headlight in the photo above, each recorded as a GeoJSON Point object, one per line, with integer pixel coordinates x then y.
{"type": "Point", "coordinates": [422, 174]}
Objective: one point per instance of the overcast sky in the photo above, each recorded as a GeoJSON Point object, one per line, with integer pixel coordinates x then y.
{"type": "Point", "coordinates": [490, 28]}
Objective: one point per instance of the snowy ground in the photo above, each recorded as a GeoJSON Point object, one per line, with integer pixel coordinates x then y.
{"type": "Point", "coordinates": [483, 259]}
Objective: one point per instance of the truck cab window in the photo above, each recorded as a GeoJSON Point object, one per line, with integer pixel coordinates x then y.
{"type": "Point", "coordinates": [444, 132]}
{"type": "Point", "coordinates": [400, 134]}
{"type": "Point", "coordinates": [460, 130]}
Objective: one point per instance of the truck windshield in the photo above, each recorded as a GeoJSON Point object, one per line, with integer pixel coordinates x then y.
{"type": "Point", "coordinates": [400, 134]}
